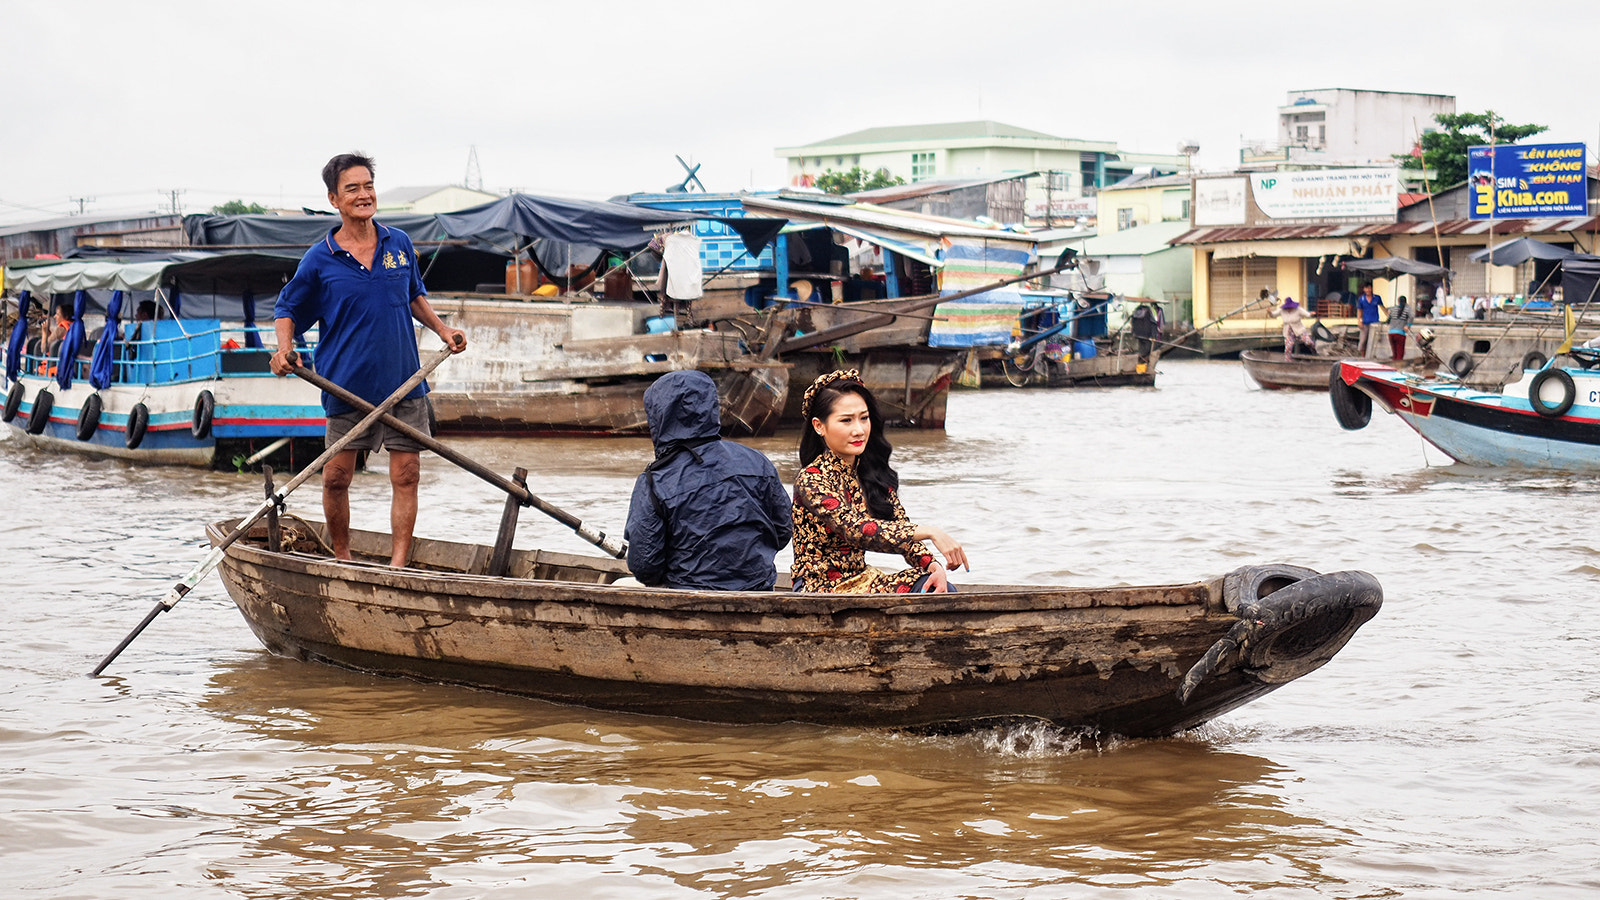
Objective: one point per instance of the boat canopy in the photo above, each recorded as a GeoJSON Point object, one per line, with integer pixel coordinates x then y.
{"type": "Point", "coordinates": [187, 272]}
{"type": "Point", "coordinates": [1580, 280]}
{"type": "Point", "coordinates": [510, 223]}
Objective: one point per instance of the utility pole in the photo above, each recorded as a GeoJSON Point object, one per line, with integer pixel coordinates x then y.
{"type": "Point", "coordinates": [172, 199]}
{"type": "Point", "coordinates": [80, 201]}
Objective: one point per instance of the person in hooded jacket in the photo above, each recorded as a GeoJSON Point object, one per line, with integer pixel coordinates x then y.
{"type": "Point", "coordinates": [707, 514]}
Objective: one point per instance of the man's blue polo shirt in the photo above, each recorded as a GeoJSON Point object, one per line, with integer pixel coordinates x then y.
{"type": "Point", "coordinates": [1368, 307]}
{"type": "Point", "coordinates": [367, 343]}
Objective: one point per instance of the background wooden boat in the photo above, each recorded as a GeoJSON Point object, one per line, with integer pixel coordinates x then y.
{"type": "Point", "coordinates": [1269, 369]}
{"type": "Point", "coordinates": [557, 628]}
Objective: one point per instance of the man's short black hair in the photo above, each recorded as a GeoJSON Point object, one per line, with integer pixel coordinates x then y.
{"type": "Point", "coordinates": [341, 164]}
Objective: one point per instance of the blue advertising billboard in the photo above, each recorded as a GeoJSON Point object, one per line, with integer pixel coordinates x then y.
{"type": "Point", "coordinates": [1527, 181]}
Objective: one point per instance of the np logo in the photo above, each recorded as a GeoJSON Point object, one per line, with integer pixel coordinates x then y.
{"type": "Point", "coordinates": [1266, 184]}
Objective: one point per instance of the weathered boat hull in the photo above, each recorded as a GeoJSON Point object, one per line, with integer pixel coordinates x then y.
{"type": "Point", "coordinates": [570, 367]}
{"type": "Point", "coordinates": [1484, 429]}
{"type": "Point", "coordinates": [911, 385]}
{"type": "Point", "coordinates": [1114, 659]}
{"type": "Point", "coordinates": [1112, 369]}
{"type": "Point", "coordinates": [247, 414]}
{"type": "Point", "coordinates": [1302, 373]}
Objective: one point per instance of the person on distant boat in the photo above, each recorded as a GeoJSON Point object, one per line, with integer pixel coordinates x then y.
{"type": "Point", "coordinates": [846, 501]}
{"type": "Point", "coordinates": [707, 514]}
{"type": "Point", "coordinates": [362, 286]}
{"type": "Point", "coordinates": [1368, 305]}
{"type": "Point", "coordinates": [1146, 327]}
{"type": "Point", "coordinates": [1295, 333]}
{"type": "Point", "coordinates": [1400, 319]}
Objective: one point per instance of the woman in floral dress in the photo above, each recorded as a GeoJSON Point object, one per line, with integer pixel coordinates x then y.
{"type": "Point", "coordinates": [846, 501]}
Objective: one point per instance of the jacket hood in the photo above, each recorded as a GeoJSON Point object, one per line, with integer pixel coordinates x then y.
{"type": "Point", "coordinates": [682, 406]}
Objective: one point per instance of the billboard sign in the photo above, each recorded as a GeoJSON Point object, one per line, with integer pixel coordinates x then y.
{"type": "Point", "coordinates": [1527, 181]}
{"type": "Point", "coordinates": [1219, 201]}
{"type": "Point", "coordinates": [1328, 193]}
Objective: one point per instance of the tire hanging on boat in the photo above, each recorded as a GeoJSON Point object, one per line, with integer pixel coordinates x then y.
{"type": "Point", "coordinates": [89, 417]}
{"type": "Point", "coordinates": [205, 405]}
{"type": "Point", "coordinates": [1460, 363]}
{"type": "Point", "coordinates": [43, 402]}
{"type": "Point", "coordinates": [1539, 384]}
{"type": "Point", "coordinates": [14, 400]}
{"type": "Point", "coordinates": [1533, 359]}
{"type": "Point", "coordinates": [138, 421]}
{"type": "Point", "coordinates": [1351, 407]}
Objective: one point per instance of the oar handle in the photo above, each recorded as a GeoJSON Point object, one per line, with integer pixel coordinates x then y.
{"type": "Point", "coordinates": [204, 567]}
{"type": "Point", "coordinates": [593, 535]}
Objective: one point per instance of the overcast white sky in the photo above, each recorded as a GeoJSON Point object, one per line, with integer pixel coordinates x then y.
{"type": "Point", "coordinates": [124, 102]}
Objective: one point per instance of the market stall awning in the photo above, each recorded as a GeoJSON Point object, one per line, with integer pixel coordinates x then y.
{"type": "Point", "coordinates": [1391, 266]}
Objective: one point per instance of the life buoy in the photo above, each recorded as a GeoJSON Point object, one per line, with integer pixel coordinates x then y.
{"type": "Point", "coordinates": [1460, 363]}
{"type": "Point", "coordinates": [89, 417]}
{"type": "Point", "coordinates": [1533, 359]}
{"type": "Point", "coordinates": [14, 400]}
{"type": "Point", "coordinates": [204, 406]}
{"type": "Point", "coordinates": [1351, 407]}
{"type": "Point", "coordinates": [1539, 388]}
{"type": "Point", "coordinates": [138, 421]}
{"type": "Point", "coordinates": [43, 402]}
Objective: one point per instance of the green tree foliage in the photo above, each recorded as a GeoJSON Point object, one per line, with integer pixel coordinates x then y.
{"type": "Point", "coordinates": [236, 208]}
{"type": "Point", "coordinates": [857, 179]}
{"type": "Point", "coordinates": [1445, 151]}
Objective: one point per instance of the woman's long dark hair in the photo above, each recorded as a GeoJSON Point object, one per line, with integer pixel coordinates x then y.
{"type": "Point", "coordinates": [878, 478]}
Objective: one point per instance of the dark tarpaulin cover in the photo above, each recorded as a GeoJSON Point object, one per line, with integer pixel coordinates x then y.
{"type": "Point", "coordinates": [1517, 251]}
{"type": "Point", "coordinates": [1580, 280]}
{"type": "Point", "coordinates": [293, 231]}
{"type": "Point", "coordinates": [1390, 266]}
{"type": "Point", "coordinates": [513, 221]}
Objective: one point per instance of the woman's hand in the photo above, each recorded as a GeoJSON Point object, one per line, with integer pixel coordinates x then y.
{"type": "Point", "coordinates": [938, 580]}
{"type": "Point", "coordinates": [954, 556]}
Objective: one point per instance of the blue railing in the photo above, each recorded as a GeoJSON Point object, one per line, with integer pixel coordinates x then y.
{"type": "Point", "coordinates": [174, 351]}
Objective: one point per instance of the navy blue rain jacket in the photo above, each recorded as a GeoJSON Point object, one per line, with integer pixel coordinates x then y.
{"type": "Point", "coordinates": [719, 513]}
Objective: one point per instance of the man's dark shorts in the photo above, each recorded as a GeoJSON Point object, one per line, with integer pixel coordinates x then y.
{"type": "Point", "coordinates": [413, 412]}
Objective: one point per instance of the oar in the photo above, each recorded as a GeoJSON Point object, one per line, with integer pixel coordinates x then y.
{"type": "Point", "coordinates": [593, 535]}
{"type": "Point", "coordinates": [204, 567]}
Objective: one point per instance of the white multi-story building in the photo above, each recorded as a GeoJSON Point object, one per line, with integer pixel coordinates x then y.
{"type": "Point", "coordinates": [1345, 127]}
{"type": "Point", "coordinates": [1070, 171]}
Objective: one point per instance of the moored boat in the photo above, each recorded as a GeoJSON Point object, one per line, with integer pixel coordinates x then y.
{"type": "Point", "coordinates": [1549, 419]}
{"type": "Point", "coordinates": [190, 386]}
{"type": "Point", "coordinates": [1138, 661]}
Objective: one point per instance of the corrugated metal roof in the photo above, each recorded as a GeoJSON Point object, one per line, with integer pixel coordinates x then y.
{"type": "Point", "coordinates": [1220, 234]}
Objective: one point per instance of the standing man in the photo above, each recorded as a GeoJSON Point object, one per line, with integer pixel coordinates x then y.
{"type": "Point", "coordinates": [362, 285]}
{"type": "Point", "coordinates": [1367, 304]}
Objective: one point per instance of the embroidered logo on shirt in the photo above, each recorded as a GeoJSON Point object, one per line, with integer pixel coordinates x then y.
{"type": "Point", "coordinates": [388, 260]}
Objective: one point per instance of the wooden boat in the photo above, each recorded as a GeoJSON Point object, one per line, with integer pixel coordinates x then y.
{"type": "Point", "coordinates": [1303, 372]}
{"type": "Point", "coordinates": [1549, 419]}
{"type": "Point", "coordinates": [562, 366]}
{"type": "Point", "coordinates": [1138, 661]}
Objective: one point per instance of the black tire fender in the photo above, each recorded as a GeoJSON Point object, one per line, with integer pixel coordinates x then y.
{"type": "Point", "coordinates": [205, 406]}
{"type": "Point", "coordinates": [43, 402]}
{"type": "Point", "coordinates": [1460, 363]}
{"type": "Point", "coordinates": [89, 417]}
{"type": "Point", "coordinates": [1293, 629]}
{"type": "Point", "coordinates": [14, 400]}
{"type": "Point", "coordinates": [1540, 385]}
{"type": "Point", "coordinates": [138, 421]}
{"type": "Point", "coordinates": [1534, 359]}
{"type": "Point", "coordinates": [1351, 407]}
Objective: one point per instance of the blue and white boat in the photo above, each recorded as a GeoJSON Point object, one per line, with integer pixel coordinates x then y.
{"type": "Point", "coordinates": [1549, 419]}
{"type": "Point", "coordinates": [190, 386]}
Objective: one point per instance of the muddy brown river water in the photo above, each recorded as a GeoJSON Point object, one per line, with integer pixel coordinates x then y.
{"type": "Point", "coordinates": [1452, 748]}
